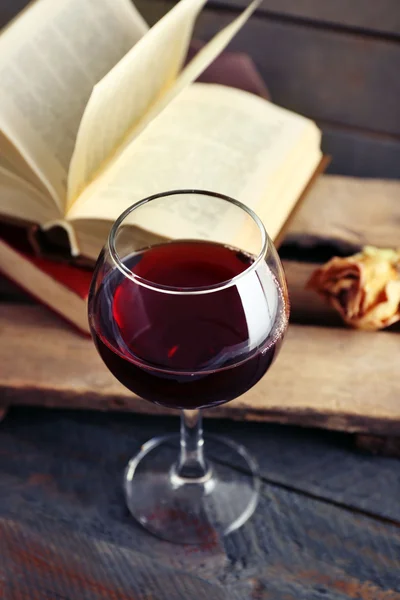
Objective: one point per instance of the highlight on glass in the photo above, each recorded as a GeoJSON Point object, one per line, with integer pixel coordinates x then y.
{"type": "Point", "coordinates": [189, 316]}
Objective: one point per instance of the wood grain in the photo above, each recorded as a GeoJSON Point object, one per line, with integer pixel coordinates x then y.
{"type": "Point", "coordinates": [323, 465]}
{"type": "Point", "coordinates": [359, 153]}
{"type": "Point", "coordinates": [327, 377]}
{"type": "Point", "coordinates": [326, 75]}
{"type": "Point", "coordinates": [307, 307]}
{"type": "Point", "coordinates": [316, 463]}
{"type": "Point", "coordinates": [73, 565]}
{"type": "Point", "coordinates": [349, 213]}
{"type": "Point", "coordinates": [378, 17]}
{"type": "Point", "coordinates": [66, 533]}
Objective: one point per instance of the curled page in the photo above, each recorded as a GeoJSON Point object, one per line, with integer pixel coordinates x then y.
{"type": "Point", "coordinates": [51, 56]}
{"type": "Point", "coordinates": [142, 84]}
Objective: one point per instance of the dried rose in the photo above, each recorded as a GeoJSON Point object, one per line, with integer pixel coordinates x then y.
{"type": "Point", "coordinates": [364, 288]}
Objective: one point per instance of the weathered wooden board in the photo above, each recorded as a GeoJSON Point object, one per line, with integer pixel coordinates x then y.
{"type": "Point", "coordinates": [47, 562]}
{"type": "Point", "coordinates": [319, 464]}
{"type": "Point", "coordinates": [359, 153]}
{"type": "Point", "coordinates": [339, 215]}
{"type": "Point", "coordinates": [348, 213]}
{"type": "Point", "coordinates": [316, 463]}
{"type": "Point", "coordinates": [329, 377]}
{"type": "Point", "coordinates": [375, 17]}
{"type": "Point", "coordinates": [312, 65]}
{"type": "Point", "coordinates": [66, 532]}
{"type": "Point", "coordinates": [307, 307]}
{"type": "Point", "coordinates": [327, 526]}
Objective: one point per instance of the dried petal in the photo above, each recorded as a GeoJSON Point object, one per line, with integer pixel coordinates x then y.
{"type": "Point", "coordinates": [364, 288]}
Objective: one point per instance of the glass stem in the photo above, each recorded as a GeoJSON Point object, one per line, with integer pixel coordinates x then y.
{"type": "Point", "coordinates": [191, 462]}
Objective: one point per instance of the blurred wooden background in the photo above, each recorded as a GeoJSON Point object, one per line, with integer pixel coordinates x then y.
{"type": "Point", "coordinates": [335, 61]}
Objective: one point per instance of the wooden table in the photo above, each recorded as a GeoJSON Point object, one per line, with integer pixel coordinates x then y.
{"type": "Point", "coordinates": [327, 526]}
{"type": "Point", "coordinates": [328, 523]}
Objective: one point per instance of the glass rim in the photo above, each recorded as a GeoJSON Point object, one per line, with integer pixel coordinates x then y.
{"type": "Point", "coordinates": [184, 290]}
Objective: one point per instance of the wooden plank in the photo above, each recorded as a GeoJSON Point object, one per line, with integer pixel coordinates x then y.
{"type": "Point", "coordinates": [307, 307]}
{"type": "Point", "coordinates": [322, 465]}
{"type": "Point", "coordinates": [62, 516]}
{"type": "Point", "coordinates": [379, 17]}
{"type": "Point", "coordinates": [382, 17]}
{"type": "Point", "coordinates": [382, 445]}
{"type": "Point", "coordinates": [63, 474]}
{"type": "Point", "coordinates": [323, 221]}
{"type": "Point", "coordinates": [314, 463]}
{"type": "Point", "coordinates": [49, 562]}
{"type": "Point", "coordinates": [281, 550]}
{"type": "Point", "coordinates": [327, 377]}
{"type": "Point", "coordinates": [348, 213]}
{"type": "Point", "coordinates": [360, 154]}
{"type": "Point", "coordinates": [309, 559]}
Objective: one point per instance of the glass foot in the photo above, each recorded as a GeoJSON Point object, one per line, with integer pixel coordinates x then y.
{"type": "Point", "coordinates": [192, 511]}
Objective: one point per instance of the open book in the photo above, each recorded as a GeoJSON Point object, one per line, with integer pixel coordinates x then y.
{"type": "Point", "coordinates": [97, 112]}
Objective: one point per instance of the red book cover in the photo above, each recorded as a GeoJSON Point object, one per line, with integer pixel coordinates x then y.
{"type": "Point", "coordinates": [62, 287]}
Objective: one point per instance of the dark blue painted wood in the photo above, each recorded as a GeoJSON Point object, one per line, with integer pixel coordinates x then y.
{"type": "Point", "coordinates": [361, 154]}
{"type": "Point", "coordinates": [326, 465]}
{"type": "Point", "coordinates": [60, 494]}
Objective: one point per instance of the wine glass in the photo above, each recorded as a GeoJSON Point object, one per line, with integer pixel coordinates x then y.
{"type": "Point", "coordinates": [188, 309]}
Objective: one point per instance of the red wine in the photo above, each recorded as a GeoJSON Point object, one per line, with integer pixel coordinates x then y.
{"type": "Point", "coordinates": [189, 350]}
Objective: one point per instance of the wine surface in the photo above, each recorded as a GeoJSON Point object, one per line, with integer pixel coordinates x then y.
{"type": "Point", "coordinates": [188, 350]}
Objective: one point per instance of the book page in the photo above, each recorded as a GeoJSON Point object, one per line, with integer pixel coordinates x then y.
{"type": "Point", "coordinates": [210, 137]}
{"type": "Point", "coordinates": [198, 64]}
{"type": "Point", "coordinates": [18, 165]}
{"type": "Point", "coordinates": [50, 59]}
{"type": "Point", "coordinates": [121, 99]}
{"type": "Point", "coordinates": [22, 201]}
